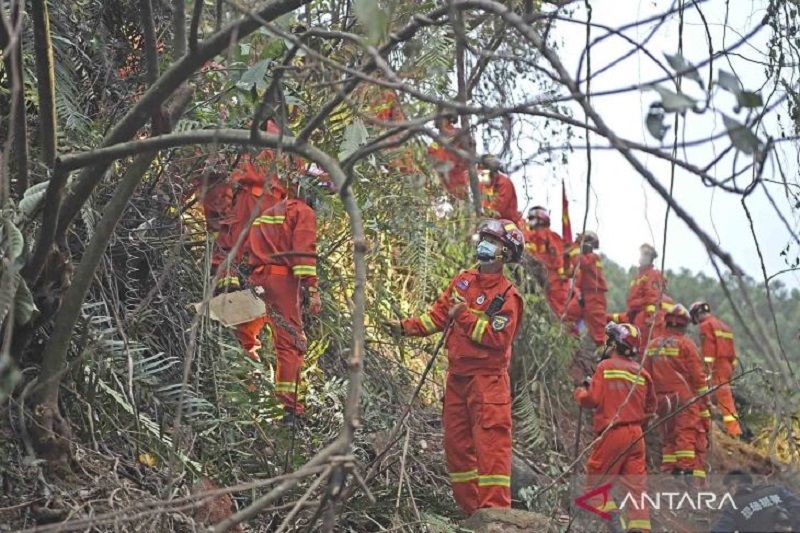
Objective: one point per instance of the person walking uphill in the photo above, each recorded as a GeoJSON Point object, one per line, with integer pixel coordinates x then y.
{"type": "Point", "coordinates": [498, 196]}
{"type": "Point", "coordinates": [646, 291]}
{"type": "Point", "coordinates": [589, 295]}
{"type": "Point", "coordinates": [282, 254]}
{"type": "Point", "coordinates": [480, 311]}
{"type": "Point", "coordinates": [623, 398]}
{"type": "Point", "coordinates": [547, 247]}
{"type": "Point", "coordinates": [719, 354]}
{"type": "Point", "coordinates": [674, 363]}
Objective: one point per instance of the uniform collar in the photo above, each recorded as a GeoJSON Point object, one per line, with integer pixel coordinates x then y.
{"type": "Point", "coordinates": [488, 280]}
{"type": "Point", "coordinates": [643, 269]}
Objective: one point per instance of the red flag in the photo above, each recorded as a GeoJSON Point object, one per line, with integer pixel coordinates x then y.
{"type": "Point", "coordinates": [566, 225]}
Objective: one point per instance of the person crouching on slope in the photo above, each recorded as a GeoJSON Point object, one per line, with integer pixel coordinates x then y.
{"type": "Point", "coordinates": [623, 398]}
{"type": "Point", "coordinates": [480, 312]}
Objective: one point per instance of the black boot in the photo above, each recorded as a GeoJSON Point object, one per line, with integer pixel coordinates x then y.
{"type": "Point", "coordinates": [291, 419]}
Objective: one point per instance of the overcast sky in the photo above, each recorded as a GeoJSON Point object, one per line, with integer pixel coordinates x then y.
{"type": "Point", "coordinates": [624, 210]}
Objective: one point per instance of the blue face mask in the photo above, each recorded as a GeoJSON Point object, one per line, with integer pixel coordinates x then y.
{"type": "Point", "coordinates": [486, 252]}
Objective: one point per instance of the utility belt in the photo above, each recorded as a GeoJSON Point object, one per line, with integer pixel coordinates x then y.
{"type": "Point", "coordinates": [271, 270]}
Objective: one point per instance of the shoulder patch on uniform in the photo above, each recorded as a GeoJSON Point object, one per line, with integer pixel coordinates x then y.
{"type": "Point", "coordinates": [462, 283]}
{"type": "Point", "coordinates": [499, 322]}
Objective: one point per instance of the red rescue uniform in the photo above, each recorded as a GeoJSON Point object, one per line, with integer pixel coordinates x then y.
{"type": "Point", "coordinates": [719, 354]}
{"type": "Point", "coordinates": [452, 168]}
{"type": "Point", "coordinates": [477, 400]}
{"type": "Point", "coordinates": [498, 197]}
{"type": "Point", "coordinates": [623, 398]}
{"type": "Point", "coordinates": [546, 246]}
{"type": "Point", "coordinates": [674, 363]}
{"type": "Point", "coordinates": [281, 247]}
{"type": "Point", "coordinates": [645, 292]}
{"type": "Point", "coordinates": [259, 189]}
{"type": "Point", "coordinates": [591, 288]}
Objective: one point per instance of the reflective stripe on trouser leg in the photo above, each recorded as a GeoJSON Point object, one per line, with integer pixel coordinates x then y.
{"type": "Point", "coordinates": [459, 449]}
{"type": "Point", "coordinates": [282, 295]}
{"type": "Point", "coordinates": [606, 461]}
{"type": "Point", "coordinates": [723, 371]}
{"type": "Point", "coordinates": [491, 427]}
{"type": "Point", "coordinates": [685, 435]}
{"type": "Point", "coordinates": [594, 313]}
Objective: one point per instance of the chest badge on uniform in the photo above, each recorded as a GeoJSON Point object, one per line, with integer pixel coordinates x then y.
{"type": "Point", "coordinates": [499, 322]}
{"type": "Point", "coordinates": [480, 299]}
{"type": "Point", "coordinates": [462, 284]}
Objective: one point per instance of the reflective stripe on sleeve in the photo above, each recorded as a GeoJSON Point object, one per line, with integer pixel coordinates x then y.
{"type": "Point", "coordinates": [684, 454]}
{"type": "Point", "coordinates": [699, 473]}
{"type": "Point", "coordinates": [708, 359]}
{"type": "Point", "coordinates": [285, 386]}
{"type": "Point", "coordinates": [702, 390]}
{"type": "Point", "coordinates": [650, 308]}
{"type": "Point", "coordinates": [269, 219]}
{"type": "Point", "coordinates": [639, 524]}
{"type": "Point", "coordinates": [668, 458]}
{"type": "Point", "coordinates": [705, 413]}
{"type": "Point", "coordinates": [228, 281]}
{"type": "Point", "coordinates": [723, 334]}
{"type": "Point", "coordinates": [479, 329]}
{"type": "Point", "coordinates": [428, 323]}
{"type": "Point", "coordinates": [729, 418]}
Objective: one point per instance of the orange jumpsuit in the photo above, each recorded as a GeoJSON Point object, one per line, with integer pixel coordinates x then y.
{"type": "Point", "coordinates": [645, 292]}
{"type": "Point", "coordinates": [499, 198]}
{"type": "Point", "coordinates": [546, 246]}
{"type": "Point", "coordinates": [290, 227]}
{"type": "Point", "coordinates": [452, 169]}
{"type": "Point", "coordinates": [674, 363]}
{"type": "Point", "coordinates": [384, 105]}
{"type": "Point", "coordinates": [252, 198]}
{"type": "Point", "coordinates": [591, 287]}
{"type": "Point", "coordinates": [477, 399]}
{"type": "Point", "coordinates": [719, 354]}
{"type": "Point", "coordinates": [618, 417]}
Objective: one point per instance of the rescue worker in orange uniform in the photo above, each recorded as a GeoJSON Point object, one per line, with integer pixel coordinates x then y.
{"type": "Point", "coordinates": [480, 311]}
{"type": "Point", "coordinates": [383, 105]}
{"type": "Point", "coordinates": [258, 187]}
{"type": "Point", "coordinates": [215, 194]}
{"type": "Point", "coordinates": [546, 246]}
{"type": "Point", "coordinates": [719, 355]}
{"type": "Point", "coordinates": [588, 301]}
{"type": "Point", "coordinates": [623, 398]}
{"type": "Point", "coordinates": [498, 196]}
{"type": "Point", "coordinates": [674, 363]}
{"type": "Point", "coordinates": [645, 294]}
{"type": "Point", "coordinates": [451, 167]}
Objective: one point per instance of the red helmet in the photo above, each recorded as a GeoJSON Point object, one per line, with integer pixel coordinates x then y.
{"type": "Point", "coordinates": [677, 315]}
{"type": "Point", "coordinates": [539, 213]}
{"type": "Point", "coordinates": [508, 233]}
{"type": "Point", "coordinates": [697, 308]}
{"type": "Point", "coordinates": [624, 337]}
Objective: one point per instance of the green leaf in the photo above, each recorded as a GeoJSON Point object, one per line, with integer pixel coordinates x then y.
{"type": "Point", "coordinates": [13, 241]}
{"type": "Point", "coordinates": [255, 75]}
{"type": "Point", "coordinates": [729, 82]}
{"type": "Point", "coordinates": [674, 102]}
{"type": "Point", "coordinates": [741, 136]}
{"type": "Point", "coordinates": [655, 122]}
{"type": "Point", "coordinates": [679, 64]}
{"type": "Point", "coordinates": [355, 136]}
{"type": "Point", "coordinates": [374, 20]}
{"type": "Point", "coordinates": [23, 303]}
{"type": "Point", "coordinates": [749, 99]}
